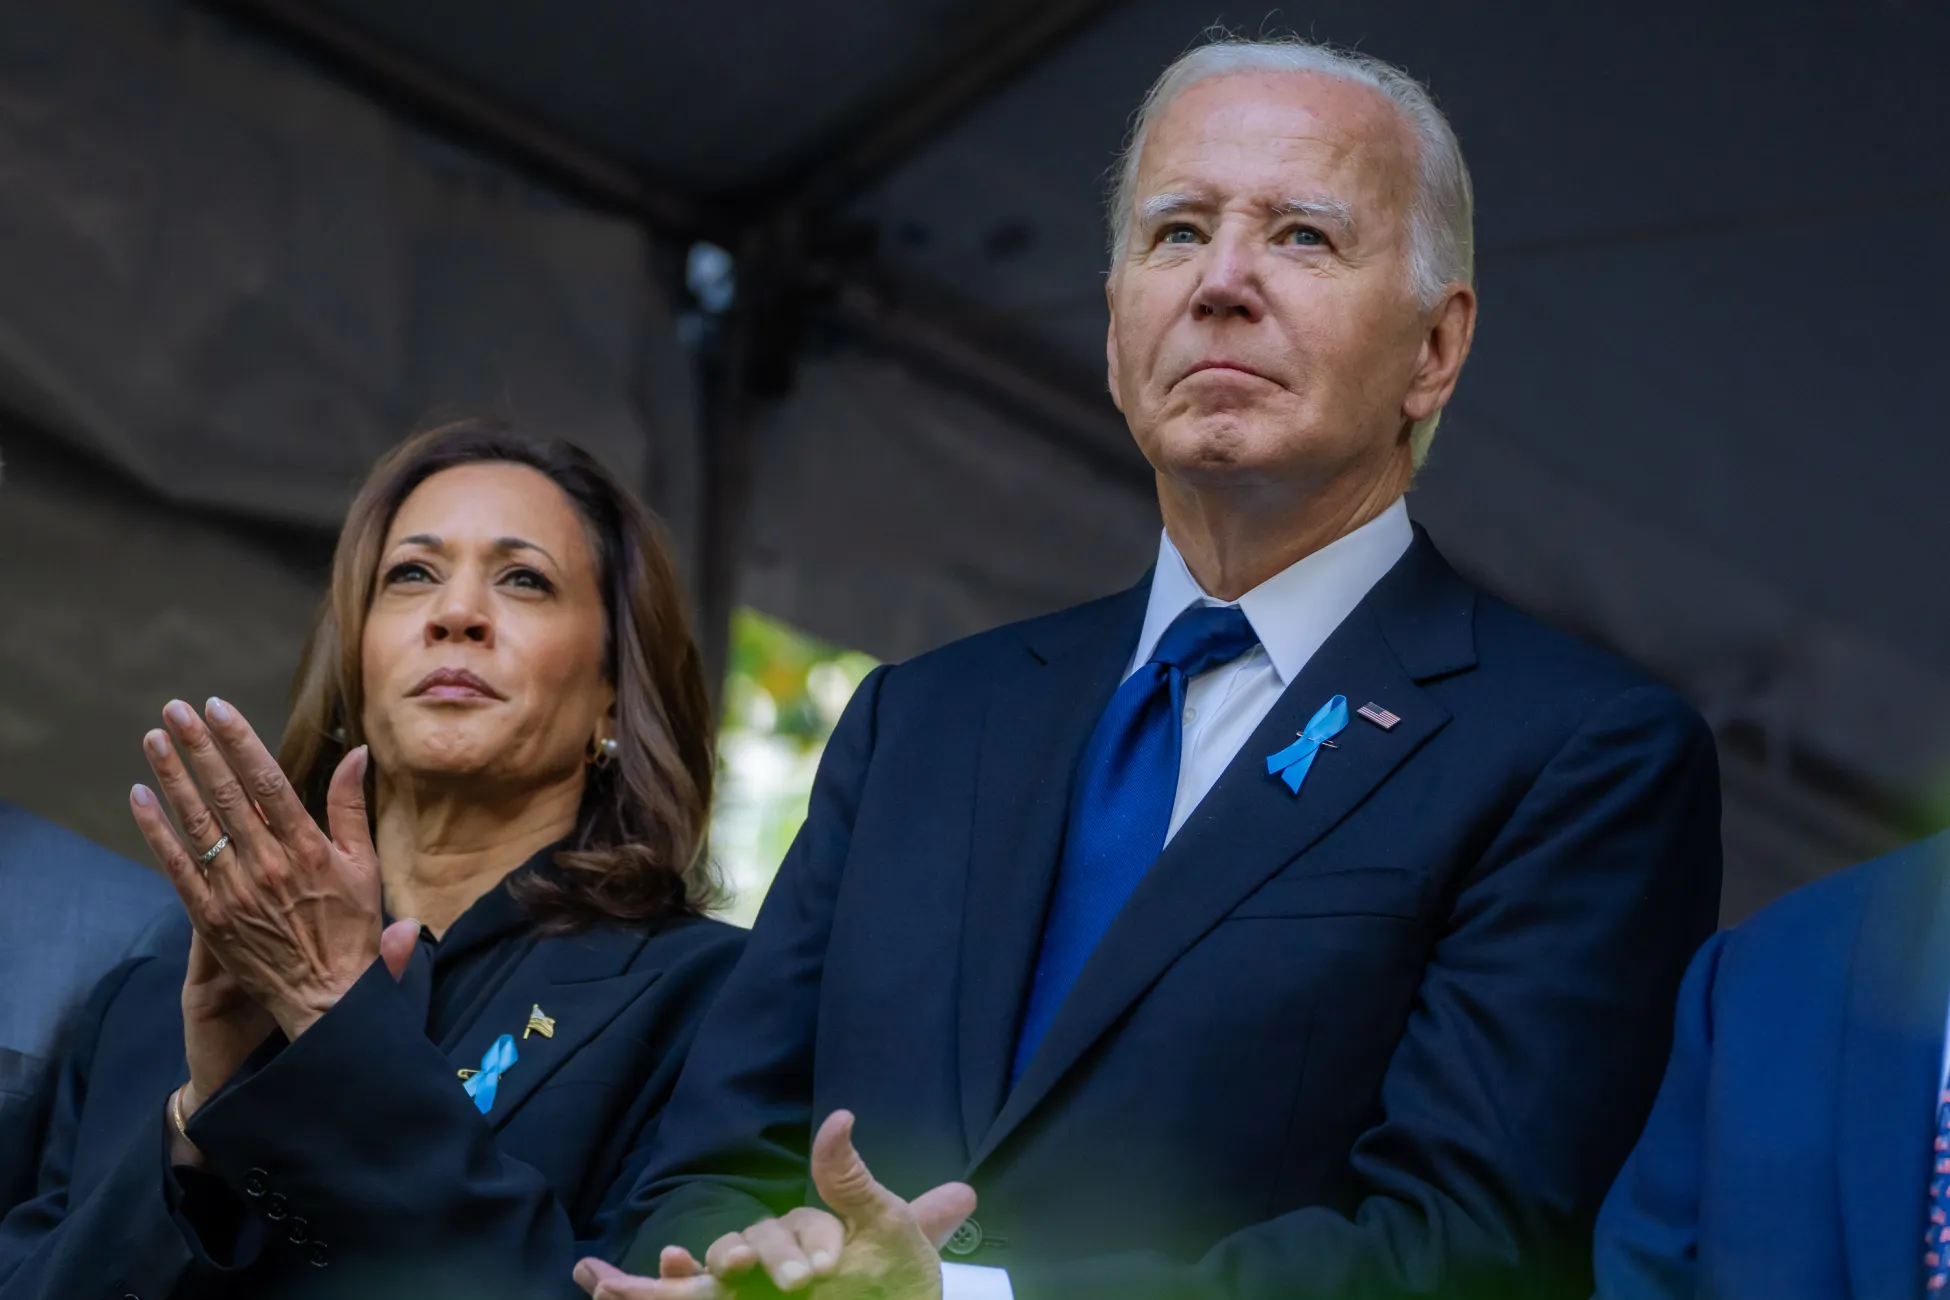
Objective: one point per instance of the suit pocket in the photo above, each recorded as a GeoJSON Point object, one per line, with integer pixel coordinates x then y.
{"type": "Point", "coordinates": [1351, 891]}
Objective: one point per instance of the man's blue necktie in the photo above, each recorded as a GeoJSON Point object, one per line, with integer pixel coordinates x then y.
{"type": "Point", "coordinates": [1121, 807]}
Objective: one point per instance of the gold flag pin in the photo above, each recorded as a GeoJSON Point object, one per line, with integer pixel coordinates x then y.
{"type": "Point", "coordinates": [539, 1024]}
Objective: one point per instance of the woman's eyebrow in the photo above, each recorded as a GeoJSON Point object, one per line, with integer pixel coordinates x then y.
{"type": "Point", "coordinates": [523, 544]}
{"type": "Point", "coordinates": [429, 540]}
{"type": "Point", "coordinates": [433, 542]}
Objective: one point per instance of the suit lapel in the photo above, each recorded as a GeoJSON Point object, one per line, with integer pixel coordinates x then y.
{"type": "Point", "coordinates": [1892, 1058]}
{"type": "Point", "coordinates": [578, 982]}
{"type": "Point", "coordinates": [1246, 829]}
{"type": "Point", "coordinates": [1037, 720]}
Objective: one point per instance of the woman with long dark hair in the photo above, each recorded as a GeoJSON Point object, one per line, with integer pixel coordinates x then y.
{"type": "Point", "coordinates": [500, 737]}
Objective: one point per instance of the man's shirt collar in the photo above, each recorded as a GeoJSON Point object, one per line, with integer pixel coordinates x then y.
{"type": "Point", "coordinates": [1298, 608]}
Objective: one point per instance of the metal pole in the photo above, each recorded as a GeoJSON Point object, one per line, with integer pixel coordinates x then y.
{"type": "Point", "coordinates": [729, 360]}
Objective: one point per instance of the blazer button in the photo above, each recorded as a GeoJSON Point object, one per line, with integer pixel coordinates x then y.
{"type": "Point", "coordinates": [966, 1240]}
{"type": "Point", "coordinates": [320, 1255]}
{"type": "Point", "coordinates": [276, 1207]}
{"type": "Point", "coordinates": [297, 1232]}
{"type": "Point", "coordinates": [256, 1182]}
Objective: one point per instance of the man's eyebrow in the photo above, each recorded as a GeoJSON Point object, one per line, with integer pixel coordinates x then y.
{"type": "Point", "coordinates": [1170, 204]}
{"type": "Point", "coordinates": [1331, 212]}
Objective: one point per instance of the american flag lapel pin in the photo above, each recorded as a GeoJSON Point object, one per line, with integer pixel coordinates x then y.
{"type": "Point", "coordinates": [1379, 716]}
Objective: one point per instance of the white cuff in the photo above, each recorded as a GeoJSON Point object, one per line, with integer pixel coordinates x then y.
{"type": "Point", "coordinates": [972, 1282]}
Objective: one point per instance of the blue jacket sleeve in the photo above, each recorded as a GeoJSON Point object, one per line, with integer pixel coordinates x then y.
{"type": "Point", "coordinates": [1648, 1231]}
{"type": "Point", "coordinates": [28, 1080]}
{"type": "Point", "coordinates": [125, 1234]}
{"type": "Point", "coordinates": [733, 1147]}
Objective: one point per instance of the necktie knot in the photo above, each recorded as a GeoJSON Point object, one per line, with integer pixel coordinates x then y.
{"type": "Point", "coordinates": [1203, 637]}
{"type": "Point", "coordinates": [1121, 808]}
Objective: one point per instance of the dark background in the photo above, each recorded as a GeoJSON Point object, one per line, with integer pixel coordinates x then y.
{"type": "Point", "coordinates": [245, 245]}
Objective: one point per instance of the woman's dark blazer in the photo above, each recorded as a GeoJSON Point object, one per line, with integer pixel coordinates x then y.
{"type": "Point", "coordinates": [352, 1162]}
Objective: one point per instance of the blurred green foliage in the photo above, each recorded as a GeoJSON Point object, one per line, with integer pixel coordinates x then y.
{"type": "Point", "coordinates": [784, 693]}
{"type": "Point", "coordinates": [788, 684]}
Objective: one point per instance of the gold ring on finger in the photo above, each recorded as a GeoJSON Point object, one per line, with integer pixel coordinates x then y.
{"type": "Point", "coordinates": [209, 855]}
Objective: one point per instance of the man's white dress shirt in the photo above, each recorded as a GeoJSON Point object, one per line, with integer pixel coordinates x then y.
{"type": "Point", "coordinates": [1293, 612]}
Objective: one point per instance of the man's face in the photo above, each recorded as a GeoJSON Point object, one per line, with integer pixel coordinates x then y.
{"type": "Point", "coordinates": [1264, 328]}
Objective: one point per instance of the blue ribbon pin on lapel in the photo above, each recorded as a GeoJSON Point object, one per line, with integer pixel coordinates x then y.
{"type": "Point", "coordinates": [481, 1087]}
{"type": "Point", "coordinates": [1294, 762]}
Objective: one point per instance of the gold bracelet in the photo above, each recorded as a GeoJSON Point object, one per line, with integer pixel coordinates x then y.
{"type": "Point", "coordinates": [176, 1113]}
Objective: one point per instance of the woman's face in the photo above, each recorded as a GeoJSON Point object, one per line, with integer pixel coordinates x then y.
{"type": "Point", "coordinates": [483, 648]}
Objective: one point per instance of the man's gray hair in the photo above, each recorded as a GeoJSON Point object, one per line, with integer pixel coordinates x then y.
{"type": "Point", "coordinates": [1441, 224]}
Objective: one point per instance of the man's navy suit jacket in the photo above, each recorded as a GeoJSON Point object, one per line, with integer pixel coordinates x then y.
{"type": "Point", "coordinates": [1789, 1154]}
{"type": "Point", "coordinates": [1396, 1032]}
{"type": "Point", "coordinates": [70, 910]}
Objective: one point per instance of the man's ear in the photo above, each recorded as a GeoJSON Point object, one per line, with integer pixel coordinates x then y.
{"type": "Point", "coordinates": [1445, 346]}
{"type": "Point", "coordinates": [1110, 343]}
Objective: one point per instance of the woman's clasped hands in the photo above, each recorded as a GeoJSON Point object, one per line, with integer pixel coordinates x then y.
{"type": "Point", "coordinates": [287, 919]}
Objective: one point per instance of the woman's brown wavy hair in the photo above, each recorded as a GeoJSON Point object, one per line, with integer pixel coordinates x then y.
{"type": "Point", "coordinates": [635, 855]}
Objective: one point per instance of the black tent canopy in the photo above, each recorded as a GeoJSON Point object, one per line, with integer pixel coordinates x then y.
{"type": "Point", "coordinates": [252, 241]}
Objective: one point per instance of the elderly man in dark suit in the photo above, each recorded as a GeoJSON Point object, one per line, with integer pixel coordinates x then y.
{"type": "Point", "coordinates": [69, 911]}
{"type": "Point", "coordinates": [1302, 922]}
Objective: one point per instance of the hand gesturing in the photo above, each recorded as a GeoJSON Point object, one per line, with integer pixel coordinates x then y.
{"type": "Point", "coordinates": [874, 1246]}
{"type": "Point", "coordinates": [293, 917]}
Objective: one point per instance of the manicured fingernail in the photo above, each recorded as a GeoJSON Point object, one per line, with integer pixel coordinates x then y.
{"type": "Point", "coordinates": [157, 743]}
{"type": "Point", "coordinates": [792, 1274]}
{"type": "Point", "coordinates": [216, 710]}
{"type": "Point", "coordinates": [584, 1275]}
{"type": "Point", "coordinates": [179, 713]}
{"type": "Point", "coordinates": [140, 794]}
{"type": "Point", "coordinates": [821, 1261]}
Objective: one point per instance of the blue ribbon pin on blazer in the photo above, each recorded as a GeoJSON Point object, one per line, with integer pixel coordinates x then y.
{"type": "Point", "coordinates": [1294, 762]}
{"type": "Point", "coordinates": [481, 1087]}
